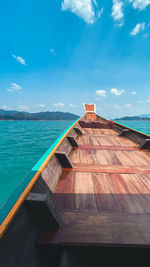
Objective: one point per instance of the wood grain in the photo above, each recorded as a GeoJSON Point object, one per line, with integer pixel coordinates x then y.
{"type": "Point", "coordinates": [109, 174]}
{"type": "Point", "coordinates": [84, 192]}
{"type": "Point", "coordinates": [100, 229]}
{"type": "Point", "coordinates": [103, 168]}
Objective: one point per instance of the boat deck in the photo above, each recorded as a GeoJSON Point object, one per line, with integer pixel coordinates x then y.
{"type": "Point", "coordinates": [105, 197]}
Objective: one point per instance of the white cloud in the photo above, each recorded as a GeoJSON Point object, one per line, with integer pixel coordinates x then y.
{"type": "Point", "coordinates": [41, 105]}
{"type": "Point", "coordinates": [148, 100]}
{"type": "Point", "coordinates": [71, 105]}
{"type": "Point", "coordinates": [59, 104]}
{"type": "Point", "coordinates": [138, 28]}
{"type": "Point", "coordinates": [133, 93]}
{"type": "Point", "coordinates": [86, 9]}
{"type": "Point", "coordinates": [22, 107]}
{"type": "Point", "coordinates": [141, 101]}
{"type": "Point", "coordinates": [117, 11]}
{"type": "Point", "coordinates": [140, 4]}
{"type": "Point", "coordinates": [128, 106]}
{"type": "Point", "coordinates": [100, 93]}
{"type": "Point", "coordinates": [117, 92]}
{"type": "Point", "coordinates": [52, 50]}
{"type": "Point", "coordinates": [14, 87]}
{"type": "Point", "coordinates": [19, 59]}
{"type": "Point", "coordinates": [5, 107]}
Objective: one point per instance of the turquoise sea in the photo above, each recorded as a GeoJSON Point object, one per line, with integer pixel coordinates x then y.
{"type": "Point", "coordinates": [22, 143]}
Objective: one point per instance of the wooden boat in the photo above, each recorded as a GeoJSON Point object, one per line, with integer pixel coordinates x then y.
{"type": "Point", "coordinates": [87, 197]}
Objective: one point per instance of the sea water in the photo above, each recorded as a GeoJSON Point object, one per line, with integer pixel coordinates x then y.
{"type": "Point", "coordinates": [22, 143]}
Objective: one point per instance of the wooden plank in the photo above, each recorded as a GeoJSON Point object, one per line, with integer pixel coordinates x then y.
{"type": "Point", "coordinates": [103, 192]}
{"type": "Point", "coordinates": [95, 168]}
{"type": "Point", "coordinates": [100, 157]}
{"type": "Point", "coordinates": [135, 184]}
{"type": "Point", "coordinates": [84, 192]}
{"type": "Point", "coordinates": [82, 229]}
{"type": "Point", "coordinates": [63, 160]}
{"type": "Point", "coordinates": [98, 132]}
{"type": "Point", "coordinates": [145, 156]}
{"type": "Point", "coordinates": [137, 158]}
{"type": "Point", "coordinates": [124, 158]}
{"type": "Point", "coordinates": [105, 141]}
{"type": "Point", "coordinates": [134, 197]}
{"type": "Point", "coordinates": [65, 146]}
{"type": "Point", "coordinates": [42, 210]}
{"type": "Point", "coordinates": [95, 141]}
{"type": "Point", "coordinates": [75, 156]}
{"type": "Point", "coordinates": [115, 159]}
{"type": "Point", "coordinates": [51, 173]}
{"type": "Point", "coordinates": [64, 197]}
{"type": "Point", "coordinates": [102, 147]}
{"type": "Point", "coordinates": [106, 197]}
{"type": "Point", "coordinates": [146, 179]}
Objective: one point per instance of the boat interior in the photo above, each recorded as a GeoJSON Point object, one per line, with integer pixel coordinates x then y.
{"type": "Point", "coordinates": [104, 198]}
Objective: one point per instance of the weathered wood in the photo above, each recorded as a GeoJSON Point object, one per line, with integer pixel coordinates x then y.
{"type": "Point", "coordinates": [102, 147]}
{"type": "Point", "coordinates": [135, 136]}
{"type": "Point", "coordinates": [43, 211]}
{"type": "Point", "coordinates": [72, 141]}
{"type": "Point", "coordinates": [51, 173]}
{"type": "Point", "coordinates": [65, 146]}
{"type": "Point", "coordinates": [41, 187]}
{"type": "Point", "coordinates": [94, 168]}
{"type": "Point", "coordinates": [145, 145]}
{"type": "Point", "coordinates": [82, 229]}
{"type": "Point", "coordinates": [97, 191]}
{"type": "Point", "coordinates": [63, 160]}
{"type": "Point", "coordinates": [124, 132]}
{"type": "Point", "coordinates": [77, 130]}
{"type": "Point", "coordinates": [105, 140]}
{"type": "Point", "coordinates": [95, 124]}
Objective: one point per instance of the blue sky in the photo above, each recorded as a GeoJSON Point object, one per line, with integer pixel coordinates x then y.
{"type": "Point", "coordinates": [57, 55]}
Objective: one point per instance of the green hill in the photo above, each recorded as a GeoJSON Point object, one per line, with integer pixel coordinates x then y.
{"type": "Point", "coordinates": [132, 118]}
{"type": "Point", "coordinates": [17, 115]}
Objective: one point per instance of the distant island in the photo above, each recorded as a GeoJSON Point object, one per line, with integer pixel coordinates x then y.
{"type": "Point", "coordinates": [145, 117]}
{"type": "Point", "coordinates": [26, 116]}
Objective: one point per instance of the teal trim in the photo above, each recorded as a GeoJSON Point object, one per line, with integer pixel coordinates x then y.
{"type": "Point", "coordinates": [132, 129]}
{"type": "Point", "coordinates": [7, 206]}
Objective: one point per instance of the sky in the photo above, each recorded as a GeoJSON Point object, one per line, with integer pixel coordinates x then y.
{"type": "Point", "coordinates": [57, 55]}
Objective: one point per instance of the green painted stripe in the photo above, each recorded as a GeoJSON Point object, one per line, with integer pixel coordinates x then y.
{"type": "Point", "coordinates": [5, 209]}
{"type": "Point", "coordinates": [132, 129]}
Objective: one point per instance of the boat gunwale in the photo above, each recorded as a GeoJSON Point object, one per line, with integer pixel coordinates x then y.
{"type": "Point", "coordinates": [37, 169]}
{"type": "Point", "coordinates": [134, 130]}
